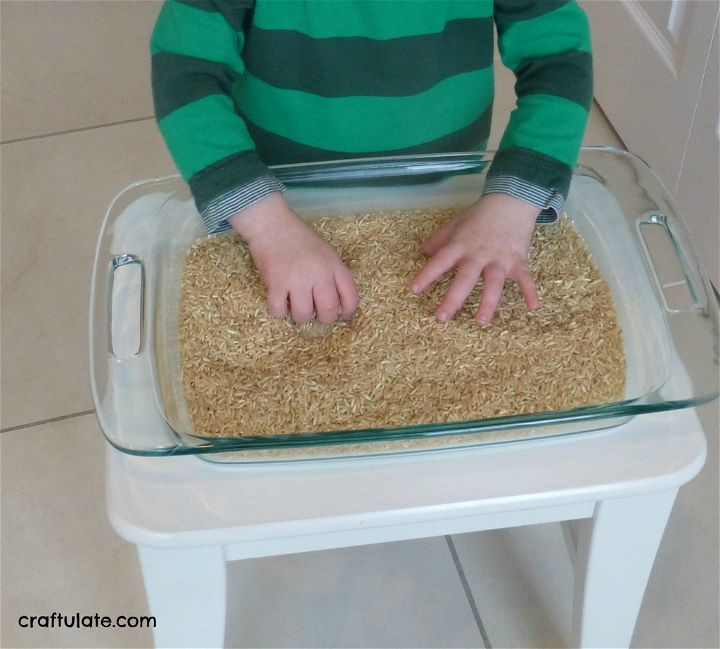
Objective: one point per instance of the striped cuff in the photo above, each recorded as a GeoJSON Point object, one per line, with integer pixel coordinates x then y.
{"type": "Point", "coordinates": [550, 201]}
{"type": "Point", "coordinates": [220, 209]}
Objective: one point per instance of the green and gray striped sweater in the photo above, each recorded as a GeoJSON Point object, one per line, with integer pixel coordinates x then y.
{"type": "Point", "coordinates": [242, 84]}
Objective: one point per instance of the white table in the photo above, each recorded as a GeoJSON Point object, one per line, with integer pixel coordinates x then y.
{"type": "Point", "coordinates": [614, 488]}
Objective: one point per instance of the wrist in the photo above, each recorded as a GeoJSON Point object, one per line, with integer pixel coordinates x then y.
{"type": "Point", "coordinates": [509, 206]}
{"type": "Point", "coordinates": [504, 213]}
{"type": "Point", "coordinates": [262, 216]}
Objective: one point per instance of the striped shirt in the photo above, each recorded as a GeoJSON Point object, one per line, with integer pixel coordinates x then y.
{"type": "Point", "coordinates": [240, 85]}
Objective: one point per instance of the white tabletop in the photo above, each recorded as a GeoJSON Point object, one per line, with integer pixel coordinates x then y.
{"type": "Point", "coordinates": [185, 501]}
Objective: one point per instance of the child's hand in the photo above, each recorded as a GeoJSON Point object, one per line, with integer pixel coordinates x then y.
{"type": "Point", "coordinates": [303, 273]}
{"type": "Point", "coordinates": [489, 239]}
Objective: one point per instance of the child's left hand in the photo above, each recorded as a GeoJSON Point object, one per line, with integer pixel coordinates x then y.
{"type": "Point", "coordinates": [489, 239]}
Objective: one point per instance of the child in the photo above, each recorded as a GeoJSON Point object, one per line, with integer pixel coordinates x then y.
{"type": "Point", "coordinates": [243, 84]}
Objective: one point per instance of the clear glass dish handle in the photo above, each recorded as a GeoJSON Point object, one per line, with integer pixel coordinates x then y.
{"type": "Point", "coordinates": [122, 375]}
{"type": "Point", "coordinates": [126, 306]}
{"type": "Point", "coordinates": [672, 263]}
{"type": "Point", "coordinates": [691, 308]}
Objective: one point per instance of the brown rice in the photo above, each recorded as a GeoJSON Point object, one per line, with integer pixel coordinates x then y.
{"type": "Point", "coordinates": [394, 364]}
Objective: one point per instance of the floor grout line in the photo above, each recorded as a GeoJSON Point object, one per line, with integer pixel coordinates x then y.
{"type": "Point", "coordinates": [10, 429]}
{"type": "Point", "coordinates": [468, 592]}
{"type": "Point", "coordinates": [76, 130]}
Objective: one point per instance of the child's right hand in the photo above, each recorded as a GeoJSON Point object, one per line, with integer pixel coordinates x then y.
{"type": "Point", "coordinates": [303, 273]}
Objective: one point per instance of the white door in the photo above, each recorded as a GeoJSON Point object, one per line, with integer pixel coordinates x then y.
{"type": "Point", "coordinates": [651, 58]}
{"type": "Point", "coordinates": [698, 193]}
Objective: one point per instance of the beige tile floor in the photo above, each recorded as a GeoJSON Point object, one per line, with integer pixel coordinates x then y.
{"type": "Point", "coordinates": [77, 128]}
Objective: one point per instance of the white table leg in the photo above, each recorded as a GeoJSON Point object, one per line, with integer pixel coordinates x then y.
{"type": "Point", "coordinates": [186, 591]}
{"type": "Point", "coordinates": [615, 554]}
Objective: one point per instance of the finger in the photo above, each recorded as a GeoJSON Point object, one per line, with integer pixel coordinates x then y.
{"type": "Point", "coordinates": [347, 292]}
{"type": "Point", "coordinates": [439, 264]}
{"type": "Point", "coordinates": [277, 303]}
{"type": "Point", "coordinates": [437, 240]}
{"type": "Point", "coordinates": [529, 291]}
{"type": "Point", "coordinates": [494, 281]}
{"type": "Point", "coordinates": [462, 285]}
{"type": "Point", "coordinates": [326, 301]}
{"type": "Point", "coordinates": [301, 305]}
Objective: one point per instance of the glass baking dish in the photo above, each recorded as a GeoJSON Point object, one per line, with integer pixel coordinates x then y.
{"type": "Point", "coordinates": [667, 309]}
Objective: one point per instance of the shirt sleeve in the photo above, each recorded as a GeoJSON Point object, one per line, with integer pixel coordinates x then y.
{"type": "Point", "coordinates": [196, 58]}
{"type": "Point", "coordinates": [546, 43]}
